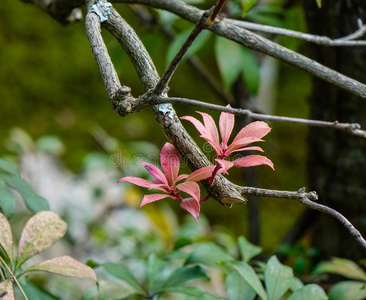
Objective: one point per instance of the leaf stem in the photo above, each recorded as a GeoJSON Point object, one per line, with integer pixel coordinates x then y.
{"type": "Point", "coordinates": [13, 277]}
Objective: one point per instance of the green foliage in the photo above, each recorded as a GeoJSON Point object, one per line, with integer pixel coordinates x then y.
{"type": "Point", "coordinates": [247, 6]}
{"type": "Point", "coordinates": [10, 177]}
{"type": "Point", "coordinates": [40, 233]}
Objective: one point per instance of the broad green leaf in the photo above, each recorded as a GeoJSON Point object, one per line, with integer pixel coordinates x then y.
{"type": "Point", "coordinates": [7, 167]}
{"type": "Point", "coordinates": [247, 5]}
{"type": "Point", "coordinates": [7, 200]}
{"type": "Point", "coordinates": [194, 292]}
{"type": "Point", "coordinates": [341, 266]}
{"type": "Point", "coordinates": [319, 3]}
{"type": "Point", "coordinates": [277, 278]}
{"type": "Point", "coordinates": [229, 60]}
{"type": "Point", "coordinates": [34, 202]}
{"type": "Point", "coordinates": [107, 290]}
{"type": "Point", "coordinates": [251, 71]}
{"type": "Point", "coordinates": [179, 41]}
{"type": "Point", "coordinates": [184, 274]}
{"type": "Point", "coordinates": [354, 290]}
{"type": "Point", "coordinates": [65, 266]}
{"type": "Point", "coordinates": [296, 284]}
{"type": "Point", "coordinates": [155, 274]}
{"type": "Point", "coordinates": [310, 291]}
{"type": "Point", "coordinates": [122, 272]}
{"type": "Point", "coordinates": [208, 254]}
{"type": "Point", "coordinates": [6, 289]}
{"type": "Point", "coordinates": [249, 275]}
{"type": "Point", "coordinates": [247, 250]}
{"type": "Point", "coordinates": [41, 232]}
{"type": "Point", "coordinates": [238, 288]}
{"type": "Point", "coordinates": [6, 237]}
{"type": "Point", "coordinates": [34, 292]}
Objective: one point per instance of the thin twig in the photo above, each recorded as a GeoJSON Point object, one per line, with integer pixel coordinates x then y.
{"type": "Point", "coordinates": [142, 102]}
{"type": "Point", "coordinates": [258, 43]}
{"type": "Point", "coordinates": [13, 277]}
{"type": "Point", "coordinates": [348, 40]}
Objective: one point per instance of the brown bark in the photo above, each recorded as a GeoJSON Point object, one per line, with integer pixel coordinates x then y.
{"type": "Point", "coordinates": [337, 160]}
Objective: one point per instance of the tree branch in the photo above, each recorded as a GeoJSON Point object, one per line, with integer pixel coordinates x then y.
{"type": "Point", "coordinates": [348, 40]}
{"type": "Point", "coordinates": [258, 43]}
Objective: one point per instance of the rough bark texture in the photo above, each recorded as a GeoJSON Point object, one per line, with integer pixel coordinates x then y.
{"type": "Point", "coordinates": [337, 160]}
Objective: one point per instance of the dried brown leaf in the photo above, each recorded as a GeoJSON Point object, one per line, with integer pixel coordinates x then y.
{"type": "Point", "coordinates": [65, 266]}
{"type": "Point", "coordinates": [41, 232]}
{"type": "Point", "coordinates": [6, 238]}
{"type": "Point", "coordinates": [6, 290]}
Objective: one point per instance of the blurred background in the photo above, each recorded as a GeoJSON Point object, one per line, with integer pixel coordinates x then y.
{"type": "Point", "coordinates": [58, 126]}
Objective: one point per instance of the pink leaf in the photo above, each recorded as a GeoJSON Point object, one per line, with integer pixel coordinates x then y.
{"type": "Point", "coordinates": [256, 129]}
{"type": "Point", "coordinates": [181, 177]}
{"type": "Point", "coordinates": [243, 142]}
{"type": "Point", "coordinates": [201, 174]}
{"type": "Point", "coordinates": [253, 160]}
{"type": "Point", "coordinates": [154, 197]}
{"type": "Point", "coordinates": [254, 148]}
{"type": "Point", "coordinates": [211, 128]}
{"type": "Point", "coordinates": [191, 188]}
{"type": "Point", "coordinates": [142, 182]}
{"type": "Point", "coordinates": [156, 172]}
{"type": "Point", "coordinates": [226, 125]}
{"type": "Point", "coordinates": [192, 206]}
{"type": "Point", "coordinates": [169, 159]}
{"type": "Point", "coordinates": [225, 165]}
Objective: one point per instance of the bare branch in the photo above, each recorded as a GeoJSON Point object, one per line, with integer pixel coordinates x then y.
{"type": "Point", "coordinates": [258, 43]}
{"type": "Point", "coordinates": [348, 40]}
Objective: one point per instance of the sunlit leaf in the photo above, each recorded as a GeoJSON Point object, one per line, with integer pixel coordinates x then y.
{"type": "Point", "coordinates": [277, 278]}
{"type": "Point", "coordinates": [122, 272]}
{"type": "Point", "coordinates": [33, 201]}
{"type": "Point", "coordinates": [354, 290]}
{"type": "Point", "coordinates": [184, 274]}
{"type": "Point", "coordinates": [181, 38]}
{"type": "Point", "coordinates": [238, 288]}
{"type": "Point", "coordinates": [41, 232]}
{"type": "Point", "coordinates": [341, 266]}
{"type": "Point", "coordinates": [310, 291]}
{"type": "Point", "coordinates": [319, 3]}
{"type": "Point", "coordinates": [249, 275]}
{"type": "Point", "coordinates": [247, 250]}
{"type": "Point", "coordinates": [65, 266]}
{"type": "Point", "coordinates": [208, 254]}
{"type": "Point", "coordinates": [6, 237]}
{"type": "Point", "coordinates": [296, 284]}
{"type": "Point", "coordinates": [7, 200]}
{"type": "Point", "coordinates": [6, 290]}
{"type": "Point", "coordinates": [247, 5]}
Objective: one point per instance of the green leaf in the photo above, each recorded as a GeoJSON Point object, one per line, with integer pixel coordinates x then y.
{"type": "Point", "coordinates": [6, 237]}
{"type": "Point", "coordinates": [7, 167]}
{"type": "Point", "coordinates": [247, 250]}
{"type": "Point", "coordinates": [310, 291]}
{"type": "Point", "coordinates": [7, 200]}
{"type": "Point", "coordinates": [34, 202]}
{"type": "Point", "coordinates": [65, 266]}
{"type": "Point", "coordinates": [251, 71]}
{"type": "Point", "coordinates": [238, 288]}
{"type": "Point", "coordinates": [179, 41]}
{"type": "Point", "coordinates": [107, 290]}
{"type": "Point", "coordinates": [208, 254]}
{"type": "Point", "coordinates": [41, 232]}
{"type": "Point", "coordinates": [354, 290]}
{"type": "Point", "coordinates": [184, 274]}
{"type": "Point", "coordinates": [194, 292]}
{"type": "Point", "coordinates": [296, 284]}
{"type": "Point", "coordinates": [319, 3]}
{"type": "Point", "coordinates": [249, 275]}
{"type": "Point", "coordinates": [6, 288]}
{"type": "Point", "coordinates": [341, 266]}
{"type": "Point", "coordinates": [229, 60]}
{"type": "Point", "coordinates": [247, 5]}
{"type": "Point", "coordinates": [122, 272]}
{"type": "Point", "coordinates": [277, 278]}
{"type": "Point", "coordinates": [155, 274]}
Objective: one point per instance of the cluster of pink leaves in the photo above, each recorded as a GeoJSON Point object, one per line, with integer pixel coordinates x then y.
{"type": "Point", "coordinates": [171, 184]}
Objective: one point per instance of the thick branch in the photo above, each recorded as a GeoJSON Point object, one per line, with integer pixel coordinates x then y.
{"type": "Point", "coordinates": [258, 43]}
